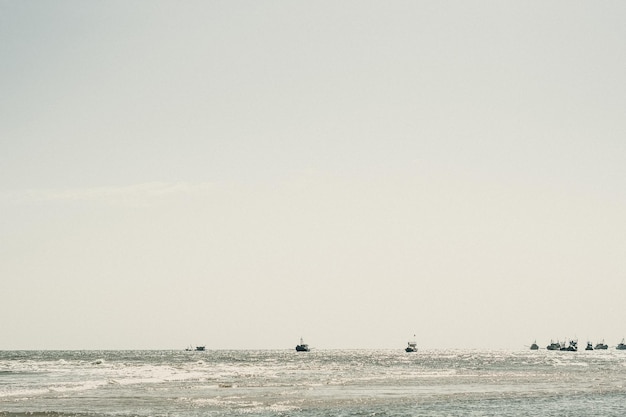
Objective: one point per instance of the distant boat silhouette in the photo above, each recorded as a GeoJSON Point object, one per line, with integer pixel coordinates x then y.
{"type": "Point", "coordinates": [302, 347]}
{"type": "Point", "coordinates": [197, 348]}
{"type": "Point", "coordinates": [534, 346]}
{"type": "Point", "coordinates": [621, 346]}
{"type": "Point", "coordinates": [571, 347]}
{"type": "Point", "coordinates": [411, 346]}
{"type": "Point", "coordinates": [554, 345]}
{"type": "Point", "coordinates": [601, 346]}
{"type": "Point", "coordinates": [589, 346]}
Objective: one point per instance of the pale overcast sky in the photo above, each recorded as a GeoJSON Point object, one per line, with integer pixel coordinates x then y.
{"type": "Point", "coordinates": [243, 173]}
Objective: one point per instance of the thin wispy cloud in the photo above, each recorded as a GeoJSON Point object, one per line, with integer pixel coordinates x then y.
{"type": "Point", "coordinates": [133, 194]}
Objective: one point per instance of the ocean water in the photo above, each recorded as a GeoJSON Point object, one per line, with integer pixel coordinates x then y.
{"type": "Point", "coordinates": [316, 383]}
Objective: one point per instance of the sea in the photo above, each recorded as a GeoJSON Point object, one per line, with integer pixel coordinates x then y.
{"type": "Point", "coordinates": [310, 384]}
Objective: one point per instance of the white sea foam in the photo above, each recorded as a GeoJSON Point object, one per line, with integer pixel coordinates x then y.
{"type": "Point", "coordinates": [23, 393]}
{"type": "Point", "coordinates": [83, 386]}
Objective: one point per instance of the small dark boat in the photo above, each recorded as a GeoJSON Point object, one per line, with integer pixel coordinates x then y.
{"type": "Point", "coordinates": [589, 346]}
{"type": "Point", "coordinates": [601, 346]}
{"type": "Point", "coordinates": [621, 346]}
{"type": "Point", "coordinates": [412, 347]}
{"type": "Point", "coordinates": [554, 345]}
{"type": "Point", "coordinates": [197, 348]}
{"type": "Point", "coordinates": [534, 346]}
{"type": "Point", "coordinates": [302, 347]}
{"type": "Point", "coordinates": [571, 347]}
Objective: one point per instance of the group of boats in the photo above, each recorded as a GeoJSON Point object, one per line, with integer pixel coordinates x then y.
{"type": "Point", "coordinates": [303, 347]}
{"type": "Point", "coordinates": [190, 348]}
{"type": "Point", "coordinates": [572, 346]}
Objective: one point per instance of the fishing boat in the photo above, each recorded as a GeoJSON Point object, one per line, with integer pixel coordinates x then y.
{"type": "Point", "coordinates": [601, 346]}
{"type": "Point", "coordinates": [302, 347]}
{"type": "Point", "coordinates": [589, 346]}
{"type": "Point", "coordinates": [411, 346]}
{"type": "Point", "coordinates": [571, 347]}
{"type": "Point", "coordinates": [534, 346]}
{"type": "Point", "coordinates": [554, 345]}
{"type": "Point", "coordinates": [197, 348]}
{"type": "Point", "coordinates": [621, 346]}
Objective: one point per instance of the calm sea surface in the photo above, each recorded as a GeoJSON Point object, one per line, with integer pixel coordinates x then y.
{"type": "Point", "coordinates": [317, 383]}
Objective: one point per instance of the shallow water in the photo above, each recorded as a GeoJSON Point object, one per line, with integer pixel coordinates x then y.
{"type": "Point", "coordinates": [316, 383]}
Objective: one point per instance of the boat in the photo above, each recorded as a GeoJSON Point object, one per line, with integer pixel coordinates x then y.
{"type": "Point", "coordinates": [302, 347]}
{"type": "Point", "coordinates": [621, 346]}
{"type": "Point", "coordinates": [534, 346]}
{"type": "Point", "coordinates": [571, 347]}
{"type": "Point", "coordinates": [589, 346]}
{"type": "Point", "coordinates": [190, 348]}
{"type": "Point", "coordinates": [554, 345]}
{"type": "Point", "coordinates": [411, 346]}
{"type": "Point", "coordinates": [601, 346]}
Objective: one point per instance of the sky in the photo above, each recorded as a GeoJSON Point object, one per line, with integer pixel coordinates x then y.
{"type": "Point", "coordinates": [240, 174]}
